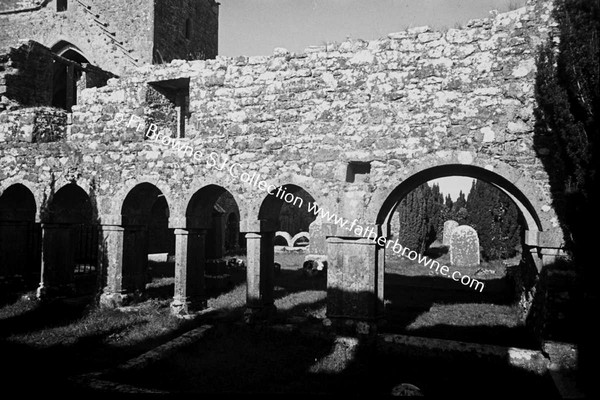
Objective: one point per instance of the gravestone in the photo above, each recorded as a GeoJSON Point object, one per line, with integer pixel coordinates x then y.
{"type": "Point", "coordinates": [464, 247]}
{"type": "Point", "coordinates": [449, 226]}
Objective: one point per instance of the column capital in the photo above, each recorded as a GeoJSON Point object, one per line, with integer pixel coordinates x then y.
{"type": "Point", "coordinates": [185, 231]}
{"type": "Point", "coordinates": [53, 225]}
{"type": "Point", "coordinates": [112, 228]}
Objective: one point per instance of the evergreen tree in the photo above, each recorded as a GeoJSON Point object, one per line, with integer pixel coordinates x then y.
{"type": "Point", "coordinates": [420, 216]}
{"type": "Point", "coordinates": [566, 136]}
{"type": "Point", "coordinates": [449, 202]}
{"type": "Point", "coordinates": [495, 218]}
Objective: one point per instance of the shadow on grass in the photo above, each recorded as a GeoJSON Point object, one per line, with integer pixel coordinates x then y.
{"type": "Point", "coordinates": [237, 358]}
{"type": "Point", "coordinates": [43, 315]}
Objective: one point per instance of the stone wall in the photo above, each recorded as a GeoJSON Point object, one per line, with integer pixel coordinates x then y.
{"type": "Point", "coordinates": [116, 35]}
{"type": "Point", "coordinates": [26, 76]}
{"type": "Point", "coordinates": [131, 22]}
{"type": "Point", "coordinates": [170, 41]}
{"type": "Point", "coordinates": [33, 125]}
{"type": "Point", "coordinates": [412, 100]}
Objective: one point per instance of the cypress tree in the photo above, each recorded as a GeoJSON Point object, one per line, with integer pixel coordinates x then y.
{"type": "Point", "coordinates": [496, 219]}
{"type": "Point", "coordinates": [566, 137]}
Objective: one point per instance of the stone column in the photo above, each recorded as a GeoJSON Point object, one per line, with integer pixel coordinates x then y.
{"type": "Point", "coordinates": [260, 274]}
{"type": "Point", "coordinates": [354, 280]}
{"type": "Point", "coordinates": [111, 261]}
{"type": "Point", "coordinates": [57, 260]}
{"type": "Point", "coordinates": [189, 272]}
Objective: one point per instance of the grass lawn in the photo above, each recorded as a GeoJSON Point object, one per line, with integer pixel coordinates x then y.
{"type": "Point", "coordinates": [240, 359]}
{"type": "Point", "coordinates": [58, 339]}
{"type": "Point", "coordinates": [420, 302]}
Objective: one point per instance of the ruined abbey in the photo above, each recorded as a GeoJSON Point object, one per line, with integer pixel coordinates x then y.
{"type": "Point", "coordinates": [353, 126]}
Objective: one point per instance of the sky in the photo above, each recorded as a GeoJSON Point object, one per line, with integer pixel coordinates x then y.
{"type": "Point", "coordinates": [256, 27]}
{"type": "Point", "coordinates": [452, 185]}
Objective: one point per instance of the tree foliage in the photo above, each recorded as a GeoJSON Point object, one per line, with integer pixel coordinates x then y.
{"type": "Point", "coordinates": [567, 92]}
{"type": "Point", "coordinates": [496, 219]}
{"type": "Point", "coordinates": [566, 137]}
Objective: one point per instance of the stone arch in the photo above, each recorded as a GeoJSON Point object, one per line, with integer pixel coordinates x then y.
{"type": "Point", "coordinates": [112, 203]}
{"type": "Point", "coordinates": [69, 204]}
{"type": "Point", "coordinates": [286, 236]}
{"type": "Point", "coordinates": [305, 235]}
{"type": "Point", "coordinates": [145, 216]}
{"type": "Point", "coordinates": [311, 186]}
{"type": "Point", "coordinates": [31, 187]}
{"type": "Point", "coordinates": [513, 182]}
{"type": "Point", "coordinates": [68, 50]}
{"type": "Point", "coordinates": [207, 210]}
{"type": "Point", "coordinates": [180, 207]}
{"type": "Point", "coordinates": [524, 205]}
{"type": "Point", "coordinates": [70, 242]}
{"type": "Point", "coordinates": [520, 188]}
{"type": "Point", "coordinates": [65, 76]}
{"type": "Point", "coordinates": [19, 234]}
{"type": "Point", "coordinates": [272, 204]}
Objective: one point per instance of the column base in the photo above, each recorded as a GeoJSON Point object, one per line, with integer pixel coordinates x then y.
{"type": "Point", "coordinates": [354, 327]}
{"type": "Point", "coordinates": [184, 307]}
{"type": "Point", "coordinates": [261, 313]}
{"type": "Point", "coordinates": [116, 300]}
{"type": "Point", "coordinates": [112, 300]}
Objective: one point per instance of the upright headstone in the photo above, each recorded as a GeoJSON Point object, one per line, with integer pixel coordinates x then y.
{"type": "Point", "coordinates": [449, 226]}
{"type": "Point", "coordinates": [464, 247]}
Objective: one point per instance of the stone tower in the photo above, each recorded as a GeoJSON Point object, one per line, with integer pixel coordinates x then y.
{"type": "Point", "coordinates": [114, 34]}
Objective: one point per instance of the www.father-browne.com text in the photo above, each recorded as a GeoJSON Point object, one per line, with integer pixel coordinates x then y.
{"type": "Point", "coordinates": [219, 162]}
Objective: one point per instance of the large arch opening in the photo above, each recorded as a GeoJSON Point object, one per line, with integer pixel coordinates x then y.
{"type": "Point", "coordinates": [424, 299]}
{"type": "Point", "coordinates": [148, 243]}
{"type": "Point", "coordinates": [285, 213]}
{"type": "Point", "coordinates": [20, 251]}
{"type": "Point", "coordinates": [66, 77]}
{"type": "Point", "coordinates": [70, 242]}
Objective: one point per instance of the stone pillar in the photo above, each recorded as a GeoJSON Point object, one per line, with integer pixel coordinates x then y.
{"type": "Point", "coordinates": [189, 272]}
{"type": "Point", "coordinates": [260, 274]}
{"type": "Point", "coordinates": [57, 260]}
{"type": "Point", "coordinates": [111, 261]}
{"type": "Point", "coordinates": [354, 280]}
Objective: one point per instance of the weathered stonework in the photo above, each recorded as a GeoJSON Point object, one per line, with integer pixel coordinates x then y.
{"type": "Point", "coordinates": [116, 35]}
{"type": "Point", "coordinates": [348, 122]}
{"type": "Point", "coordinates": [464, 247]}
{"type": "Point", "coordinates": [449, 227]}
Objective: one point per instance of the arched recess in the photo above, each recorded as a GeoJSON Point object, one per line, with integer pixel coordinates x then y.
{"type": "Point", "coordinates": [396, 309]}
{"type": "Point", "coordinates": [70, 241]}
{"type": "Point", "coordinates": [261, 245]}
{"type": "Point", "coordinates": [20, 236]}
{"type": "Point", "coordinates": [297, 239]}
{"type": "Point", "coordinates": [285, 196]}
{"type": "Point", "coordinates": [145, 218]}
{"type": "Point", "coordinates": [283, 238]}
{"type": "Point", "coordinates": [526, 208]}
{"type": "Point", "coordinates": [208, 209]}
{"type": "Point", "coordinates": [203, 237]}
{"type": "Point", "coordinates": [66, 76]}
